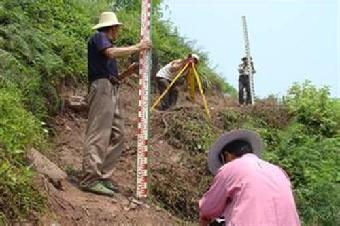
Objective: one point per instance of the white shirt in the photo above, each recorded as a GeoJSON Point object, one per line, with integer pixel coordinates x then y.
{"type": "Point", "coordinates": [164, 72]}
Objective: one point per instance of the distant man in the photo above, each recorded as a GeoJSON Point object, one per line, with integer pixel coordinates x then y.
{"type": "Point", "coordinates": [165, 76]}
{"type": "Point", "coordinates": [246, 189]}
{"type": "Point", "coordinates": [244, 81]}
{"type": "Point", "coordinates": [105, 130]}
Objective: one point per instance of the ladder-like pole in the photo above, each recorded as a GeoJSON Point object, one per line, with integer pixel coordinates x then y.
{"type": "Point", "coordinates": [247, 49]}
{"type": "Point", "coordinates": [143, 105]}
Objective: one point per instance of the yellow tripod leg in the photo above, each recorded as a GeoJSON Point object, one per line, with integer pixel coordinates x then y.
{"type": "Point", "coordinates": [168, 88]}
{"type": "Point", "coordinates": [201, 91]}
{"type": "Point", "coordinates": [191, 84]}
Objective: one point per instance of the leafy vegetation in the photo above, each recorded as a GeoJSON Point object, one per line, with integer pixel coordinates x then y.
{"type": "Point", "coordinates": [19, 129]}
{"type": "Point", "coordinates": [42, 44]}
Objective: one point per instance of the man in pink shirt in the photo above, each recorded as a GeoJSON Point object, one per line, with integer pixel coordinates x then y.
{"type": "Point", "coordinates": [246, 190]}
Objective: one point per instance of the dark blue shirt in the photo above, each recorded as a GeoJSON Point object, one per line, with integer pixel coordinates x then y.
{"type": "Point", "coordinates": [99, 66]}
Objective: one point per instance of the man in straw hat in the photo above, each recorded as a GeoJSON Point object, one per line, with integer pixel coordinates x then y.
{"type": "Point", "coordinates": [165, 76]}
{"type": "Point", "coordinates": [246, 189]}
{"type": "Point", "coordinates": [105, 129]}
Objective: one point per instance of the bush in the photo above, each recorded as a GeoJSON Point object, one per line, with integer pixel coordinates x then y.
{"type": "Point", "coordinates": [19, 130]}
{"type": "Point", "coordinates": [44, 43]}
{"type": "Point", "coordinates": [314, 108]}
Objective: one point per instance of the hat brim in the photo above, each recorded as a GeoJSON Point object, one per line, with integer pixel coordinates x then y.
{"type": "Point", "coordinates": [109, 24]}
{"type": "Point", "coordinates": [214, 162]}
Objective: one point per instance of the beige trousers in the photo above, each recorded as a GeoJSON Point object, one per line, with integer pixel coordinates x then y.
{"type": "Point", "coordinates": [104, 136]}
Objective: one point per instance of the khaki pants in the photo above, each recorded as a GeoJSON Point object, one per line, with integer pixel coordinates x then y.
{"type": "Point", "coordinates": [104, 134]}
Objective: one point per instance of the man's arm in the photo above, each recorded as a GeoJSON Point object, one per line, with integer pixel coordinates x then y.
{"type": "Point", "coordinates": [116, 52]}
{"type": "Point", "coordinates": [176, 65]}
{"type": "Point", "coordinates": [214, 201]}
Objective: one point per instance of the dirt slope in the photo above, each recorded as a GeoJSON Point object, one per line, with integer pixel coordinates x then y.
{"type": "Point", "coordinates": [74, 207]}
{"type": "Point", "coordinates": [71, 206]}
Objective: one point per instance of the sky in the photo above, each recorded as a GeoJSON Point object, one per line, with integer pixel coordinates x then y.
{"type": "Point", "coordinates": [290, 40]}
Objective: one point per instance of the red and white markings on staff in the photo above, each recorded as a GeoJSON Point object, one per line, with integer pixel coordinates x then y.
{"type": "Point", "coordinates": [143, 104]}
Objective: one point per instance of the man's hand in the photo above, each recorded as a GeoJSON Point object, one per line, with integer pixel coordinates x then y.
{"type": "Point", "coordinates": [144, 45]}
{"type": "Point", "coordinates": [116, 52]}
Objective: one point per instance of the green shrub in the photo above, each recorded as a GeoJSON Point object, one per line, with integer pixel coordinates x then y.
{"type": "Point", "coordinates": [314, 108]}
{"type": "Point", "coordinates": [313, 164]}
{"type": "Point", "coordinates": [42, 44]}
{"type": "Point", "coordinates": [19, 130]}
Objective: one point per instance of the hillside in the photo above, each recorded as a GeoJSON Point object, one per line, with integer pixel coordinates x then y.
{"type": "Point", "coordinates": [44, 65]}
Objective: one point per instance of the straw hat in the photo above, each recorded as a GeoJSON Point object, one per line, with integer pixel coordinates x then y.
{"type": "Point", "coordinates": [107, 19]}
{"type": "Point", "coordinates": [214, 162]}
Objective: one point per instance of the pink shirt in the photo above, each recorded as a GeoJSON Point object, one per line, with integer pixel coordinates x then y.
{"type": "Point", "coordinates": [250, 192]}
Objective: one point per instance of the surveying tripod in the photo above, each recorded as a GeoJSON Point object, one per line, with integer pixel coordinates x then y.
{"type": "Point", "coordinates": [193, 80]}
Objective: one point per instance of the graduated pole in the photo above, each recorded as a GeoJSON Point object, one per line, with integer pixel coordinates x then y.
{"type": "Point", "coordinates": [143, 104]}
{"type": "Point", "coordinates": [247, 49]}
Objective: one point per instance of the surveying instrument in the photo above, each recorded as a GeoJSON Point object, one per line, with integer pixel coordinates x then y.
{"type": "Point", "coordinates": [193, 81]}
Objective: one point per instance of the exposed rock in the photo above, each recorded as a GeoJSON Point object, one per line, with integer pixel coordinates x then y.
{"type": "Point", "coordinates": [44, 166]}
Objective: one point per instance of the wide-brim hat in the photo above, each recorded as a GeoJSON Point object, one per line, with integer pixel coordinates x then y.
{"type": "Point", "coordinates": [107, 19]}
{"type": "Point", "coordinates": [214, 161]}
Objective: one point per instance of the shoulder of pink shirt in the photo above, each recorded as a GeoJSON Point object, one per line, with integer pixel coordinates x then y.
{"type": "Point", "coordinates": [236, 163]}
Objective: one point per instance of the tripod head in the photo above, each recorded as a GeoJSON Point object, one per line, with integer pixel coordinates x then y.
{"type": "Point", "coordinates": [193, 58]}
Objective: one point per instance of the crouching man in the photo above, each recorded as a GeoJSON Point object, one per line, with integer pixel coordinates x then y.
{"type": "Point", "coordinates": [166, 75]}
{"type": "Point", "coordinates": [246, 191]}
